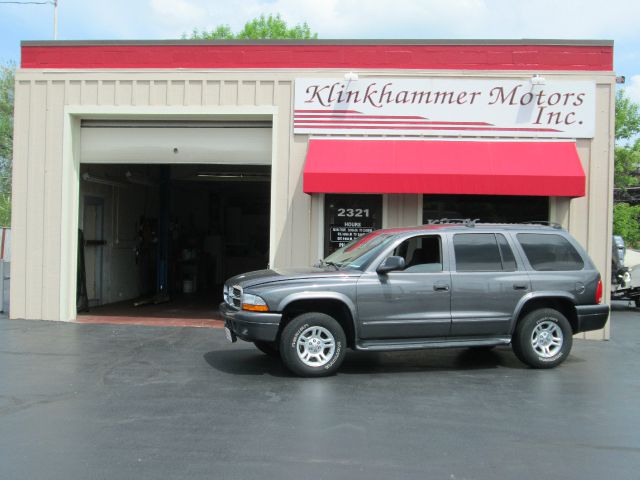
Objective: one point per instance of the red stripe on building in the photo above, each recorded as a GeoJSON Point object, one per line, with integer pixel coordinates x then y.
{"type": "Point", "coordinates": [341, 116]}
{"type": "Point", "coordinates": [326, 111]}
{"type": "Point", "coordinates": [390, 127]}
{"type": "Point", "coordinates": [363, 56]}
{"type": "Point", "coordinates": [383, 122]}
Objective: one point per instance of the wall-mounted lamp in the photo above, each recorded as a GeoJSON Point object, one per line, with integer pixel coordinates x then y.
{"type": "Point", "coordinates": [102, 181]}
{"type": "Point", "coordinates": [351, 77]}
{"type": "Point", "coordinates": [538, 80]}
{"type": "Point", "coordinates": [620, 80]}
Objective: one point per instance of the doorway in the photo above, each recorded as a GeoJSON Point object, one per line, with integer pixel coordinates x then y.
{"type": "Point", "coordinates": [171, 235]}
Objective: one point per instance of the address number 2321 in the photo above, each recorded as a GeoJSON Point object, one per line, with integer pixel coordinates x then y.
{"type": "Point", "coordinates": [353, 212]}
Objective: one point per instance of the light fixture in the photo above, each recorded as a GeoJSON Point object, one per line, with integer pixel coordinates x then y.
{"type": "Point", "coordinates": [256, 177]}
{"type": "Point", "coordinates": [620, 79]}
{"type": "Point", "coordinates": [102, 181]}
{"type": "Point", "coordinates": [538, 80]}
{"type": "Point", "coordinates": [137, 179]}
{"type": "Point", "coordinates": [351, 77]}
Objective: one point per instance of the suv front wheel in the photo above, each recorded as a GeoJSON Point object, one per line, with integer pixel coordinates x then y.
{"type": "Point", "coordinates": [543, 338]}
{"type": "Point", "coordinates": [313, 345]}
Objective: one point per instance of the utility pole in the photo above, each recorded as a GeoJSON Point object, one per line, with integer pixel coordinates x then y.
{"type": "Point", "coordinates": [55, 19]}
{"type": "Point", "coordinates": [40, 2]}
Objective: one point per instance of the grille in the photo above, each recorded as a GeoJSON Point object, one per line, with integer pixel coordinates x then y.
{"type": "Point", "coordinates": [234, 296]}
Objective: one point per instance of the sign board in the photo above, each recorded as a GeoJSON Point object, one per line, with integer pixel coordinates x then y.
{"type": "Point", "coordinates": [442, 106]}
{"type": "Point", "coordinates": [347, 233]}
{"type": "Point", "coordinates": [348, 217]}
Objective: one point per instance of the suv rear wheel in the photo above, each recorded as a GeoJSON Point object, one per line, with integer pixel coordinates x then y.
{"type": "Point", "coordinates": [543, 338]}
{"type": "Point", "coordinates": [313, 345]}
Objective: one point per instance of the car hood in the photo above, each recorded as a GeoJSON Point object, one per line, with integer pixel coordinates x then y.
{"type": "Point", "coordinates": [259, 277]}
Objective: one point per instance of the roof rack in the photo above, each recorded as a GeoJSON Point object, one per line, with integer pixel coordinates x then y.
{"type": "Point", "coordinates": [472, 222]}
{"type": "Point", "coordinates": [467, 222]}
{"type": "Point", "coordinates": [544, 222]}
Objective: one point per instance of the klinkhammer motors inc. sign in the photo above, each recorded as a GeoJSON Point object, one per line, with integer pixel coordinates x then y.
{"type": "Point", "coordinates": [440, 106]}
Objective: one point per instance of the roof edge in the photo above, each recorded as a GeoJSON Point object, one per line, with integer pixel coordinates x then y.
{"type": "Point", "coordinates": [522, 41]}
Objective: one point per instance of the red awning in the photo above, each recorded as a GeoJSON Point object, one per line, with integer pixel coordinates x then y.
{"type": "Point", "coordinates": [543, 168]}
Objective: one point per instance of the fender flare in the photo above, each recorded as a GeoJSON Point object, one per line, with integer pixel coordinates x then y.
{"type": "Point", "coordinates": [335, 296]}
{"type": "Point", "coordinates": [531, 296]}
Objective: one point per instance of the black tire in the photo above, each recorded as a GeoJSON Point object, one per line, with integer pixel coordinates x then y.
{"type": "Point", "coordinates": [327, 359]}
{"type": "Point", "coordinates": [269, 348]}
{"type": "Point", "coordinates": [532, 348]}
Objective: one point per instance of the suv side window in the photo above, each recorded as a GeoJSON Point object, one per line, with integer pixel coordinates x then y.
{"type": "Point", "coordinates": [550, 252]}
{"type": "Point", "coordinates": [421, 254]}
{"type": "Point", "coordinates": [482, 252]}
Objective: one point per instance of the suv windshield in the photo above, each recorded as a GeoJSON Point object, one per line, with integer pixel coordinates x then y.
{"type": "Point", "coordinates": [358, 253]}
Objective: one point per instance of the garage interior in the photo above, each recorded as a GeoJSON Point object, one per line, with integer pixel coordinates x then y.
{"type": "Point", "coordinates": [158, 239]}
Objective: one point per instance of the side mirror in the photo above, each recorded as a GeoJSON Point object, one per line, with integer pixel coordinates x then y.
{"type": "Point", "coordinates": [391, 263]}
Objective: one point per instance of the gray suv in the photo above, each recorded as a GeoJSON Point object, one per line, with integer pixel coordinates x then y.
{"type": "Point", "coordinates": [432, 286]}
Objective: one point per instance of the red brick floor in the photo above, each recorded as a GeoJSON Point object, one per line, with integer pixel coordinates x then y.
{"type": "Point", "coordinates": [182, 311]}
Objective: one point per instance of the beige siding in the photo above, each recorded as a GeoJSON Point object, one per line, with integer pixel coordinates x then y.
{"type": "Point", "coordinates": [212, 93]}
{"type": "Point", "coordinates": [141, 95]}
{"type": "Point", "coordinates": [20, 194]}
{"type": "Point", "coordinates": [300, 204]}
{"type": "Point", "coordinates": [280, 204]}
{"type": "Point", "coordinates": [36, 174]}
{"type": "Point", "coordinates": [402, 210]}
{"type": "Point", "coordinates": [52, 196]}
{"type": "Point", "coordinates": [194, 92]}
{"type": "Point", "coordinates": [599, 197]}
{"type": "Point", "coordinates": [39, 215]}
{"type": "Point", "coordinates": [124, 92]}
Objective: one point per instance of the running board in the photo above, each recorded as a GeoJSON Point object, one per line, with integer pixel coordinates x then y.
{"type": "Point", "coordinates": [423, 343]}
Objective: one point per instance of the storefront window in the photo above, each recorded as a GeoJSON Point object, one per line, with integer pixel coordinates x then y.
{"type": "Point", "coordinates": [347, 217]}
{"type": "Point", "coordinates": [486, 208]}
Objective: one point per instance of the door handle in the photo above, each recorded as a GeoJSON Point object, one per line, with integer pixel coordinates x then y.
{"type": "Point", "coordinates": [520, 286]}
{"type": "Point", "coordinates": [441, 287]}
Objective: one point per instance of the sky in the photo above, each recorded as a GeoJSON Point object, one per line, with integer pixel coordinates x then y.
{"type": "Point", "coordinates": [378, 19]}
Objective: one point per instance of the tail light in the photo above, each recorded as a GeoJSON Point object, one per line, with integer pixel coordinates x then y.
{"type": "Point", "coordinates": [599, 291]}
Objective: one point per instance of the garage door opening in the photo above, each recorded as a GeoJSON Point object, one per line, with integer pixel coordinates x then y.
{"type": "Point", "coordinates": [159, 240]}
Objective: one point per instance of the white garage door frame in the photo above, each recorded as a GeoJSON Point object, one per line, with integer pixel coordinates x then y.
{"type": "Point", "coordinates": [73, 115]}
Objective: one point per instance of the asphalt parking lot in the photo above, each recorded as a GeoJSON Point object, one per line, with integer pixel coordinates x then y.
{"type": "Point", "coordinates": [106, 402]}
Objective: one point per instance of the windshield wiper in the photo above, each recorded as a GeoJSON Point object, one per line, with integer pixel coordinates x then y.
{"type": "Point", "coordinates": [334, 265]}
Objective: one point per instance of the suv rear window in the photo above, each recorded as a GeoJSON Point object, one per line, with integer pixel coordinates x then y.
{"type": "Point", "coordinates": [550, 252]}
{"type": "Point", "coordinates": [479, 252]}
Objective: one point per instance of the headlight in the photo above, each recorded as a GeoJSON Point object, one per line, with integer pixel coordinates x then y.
{"type": "Point", "coordinates": [253, 303]}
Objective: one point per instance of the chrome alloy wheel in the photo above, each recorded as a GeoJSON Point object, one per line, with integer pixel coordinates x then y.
{"type": "Point", "coordinates": [547, 339]}
{"type": "Point", "coordinates": [315, 346]}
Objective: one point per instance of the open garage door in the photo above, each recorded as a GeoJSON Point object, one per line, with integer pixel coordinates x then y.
{"type": "Point", "coordinates": [183, 206]}
{"type": "Point", "coordinates": [167, 142]}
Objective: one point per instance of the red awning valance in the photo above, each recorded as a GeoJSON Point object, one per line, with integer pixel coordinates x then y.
{"type": "Point", "coordinates": [543, 168]}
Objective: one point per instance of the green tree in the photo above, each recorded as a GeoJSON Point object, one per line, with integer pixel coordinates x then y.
{"type": "Point", "coordinates": [627, 155]}
{"type": "Point", "coordinates": [627, 162]}
{"type": "Point", "coordinates": [7, 79]}
{"type": "Point", "coordinates": [271, 27]}
{"type": "Point", "coordinates": [625, 223]}
{"type": "Point", "coordinates": [627, 117]}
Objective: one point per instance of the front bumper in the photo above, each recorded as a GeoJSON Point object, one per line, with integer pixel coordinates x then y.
{"type": "Point", "coordinates": [251, 326]}
{"type": "Point", "coordinates": [592, 317]}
